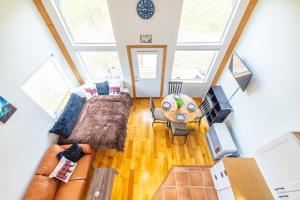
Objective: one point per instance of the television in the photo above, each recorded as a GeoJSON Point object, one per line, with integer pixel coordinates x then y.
{"type": "Point", "coordinates": [240, 71]}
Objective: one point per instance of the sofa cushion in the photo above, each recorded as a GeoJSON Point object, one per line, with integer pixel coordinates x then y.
{"type": "Point", "coordinates": [72, 190]}
{"type": "Point", "coordinates": [67, 120]}
{"type": "Point", "coordinates": [83, 168]}
{"type": "Point", "coordinates": [49, 160]}
{"type": "Point", "coordinates": [41, 188]}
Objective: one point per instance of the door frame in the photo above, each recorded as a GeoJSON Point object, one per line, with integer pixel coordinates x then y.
{"type": "Point", "coordinates": [164, 57]}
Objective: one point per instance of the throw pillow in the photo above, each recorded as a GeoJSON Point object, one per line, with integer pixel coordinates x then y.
{"type": "Point", "coordinates": [63, 170]}
{"type": "Point", "coordinates": [67, 120]}
{"type": "Point", "coordinates": [102, 88]}
{"type": "Point", "coordinates": [114, 89]}
{"type": "Point", "coordinates": [73, 153]}
{"type": "Point", "coordinates": [90, 91]}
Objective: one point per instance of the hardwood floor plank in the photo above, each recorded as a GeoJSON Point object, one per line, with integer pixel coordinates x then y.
{"type": "Point", "coordinates": [149, 154]}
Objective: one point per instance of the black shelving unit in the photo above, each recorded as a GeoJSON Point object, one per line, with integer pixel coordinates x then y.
{"type": "Point", "coordinates": [216, 106]}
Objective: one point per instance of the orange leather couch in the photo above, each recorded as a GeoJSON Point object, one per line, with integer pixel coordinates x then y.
{"type": "Point", "coordinates": [44, 188]}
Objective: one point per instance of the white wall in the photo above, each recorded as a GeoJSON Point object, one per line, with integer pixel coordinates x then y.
{"type": "Point", "coordinates": [270, 46]}
{"type": "Point", "coordinates": [25, 44]}
{"type": "Point", "coordinates": [163, 26]}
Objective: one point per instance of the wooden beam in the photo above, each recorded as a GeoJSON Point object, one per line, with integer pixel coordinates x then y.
{"type": "Point", "coordinates": [48, 21]}
{"type": "Point", "coordinates": [249, 10]}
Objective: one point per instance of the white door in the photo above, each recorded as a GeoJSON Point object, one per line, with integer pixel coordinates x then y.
{"type": "Point", "coordinates": [147, 67]}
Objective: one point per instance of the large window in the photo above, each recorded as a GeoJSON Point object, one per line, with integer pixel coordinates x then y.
{"type": "Point", "coordinates": [48, 87]}
{"type": "Point", "coordinates": [102, 65]}
{"type": "Point", "coordinates": [88, 21]}
{"type": "Point", "coordinates": [192, 65]}
{"type": "Point", "coordinates": [202, 31]}
{"type": "Point", "coordinates": [88, 33]}
{"type": "Point", "coordinates": [204, 20]}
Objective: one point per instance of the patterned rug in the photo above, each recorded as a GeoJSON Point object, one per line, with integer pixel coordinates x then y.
{"type": "Point", "coordinates": [187, 182]}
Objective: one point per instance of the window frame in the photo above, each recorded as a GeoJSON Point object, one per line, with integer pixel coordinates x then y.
{"type": "Point", "coordinates": [83, 63]}
{"type": "Point", "coordinates": [211, 64]}
{"type": "Point", "coordinates": [68, 31]}
{"type": "Point", "coordinates": [213, 46]}
{"type": "Point", "coordinates": [73, 48]}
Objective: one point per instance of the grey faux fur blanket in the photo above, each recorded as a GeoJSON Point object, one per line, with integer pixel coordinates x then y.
{"type": "Point", "coordinates": [102, 122]}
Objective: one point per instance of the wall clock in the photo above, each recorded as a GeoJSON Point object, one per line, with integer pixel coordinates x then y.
{"type": "Point", "coordinates": [145, 9]}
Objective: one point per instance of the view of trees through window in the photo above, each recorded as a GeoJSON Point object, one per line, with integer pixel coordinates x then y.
{"type": "Point", "coordinates": [88, 21]}
{"type": "Point", "coordinates": [204, 20]}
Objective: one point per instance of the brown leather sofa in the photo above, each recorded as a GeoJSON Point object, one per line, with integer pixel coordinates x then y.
{"type": "Point", "coordinates": [44, 188]}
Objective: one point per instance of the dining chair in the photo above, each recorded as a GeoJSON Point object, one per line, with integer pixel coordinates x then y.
{"type": "Point", "coordinates": [175, 87]}
{"type": "Point", "coordinates": [200, 115]}
{"type": "Point", "coordinates": [157, 114]}
{"type": "Point", "coordinates": [178, 129]}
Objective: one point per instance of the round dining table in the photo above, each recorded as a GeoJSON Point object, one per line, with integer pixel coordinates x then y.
{"type": "Point", "coordinates": [171, 113]}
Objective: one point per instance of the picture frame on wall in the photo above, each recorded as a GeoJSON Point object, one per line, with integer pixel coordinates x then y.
{"type": "Point", "coordinates": [146, 38]}
{"type": "Point", "coordinates": [6, 110]}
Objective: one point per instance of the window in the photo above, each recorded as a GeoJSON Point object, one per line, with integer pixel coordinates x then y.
{"type": "Point", "coordinates": [147, 65]}
{"type": "Point", "coordinates": [204, 20]}
{"type": "Point", "coordinates": [201, 36]}
{"type": "Point", "coordinates": [192, 65]}
{"type": "Point", "coordinates": [88, 21]}
{"type": "Point", "coordinates": [90, 39]}
{"type": "Point", "coordinates": [48, 87]}
{"type": "Point", "coordinates": [102, 65]}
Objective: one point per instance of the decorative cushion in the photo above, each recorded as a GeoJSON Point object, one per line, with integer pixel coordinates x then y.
{"type": "Point", "coordinates": [102, 88]}
{"type": "Point", "coordinates": [115, 90]}
{"type": "Point", "coordinates": [90, 91]}
{"type": "Point", "coordinates": [73, 153]}
{"type": "Point", "coordinates": [67, 120]}
{"type": "Point", "coordinates": [63, 170]}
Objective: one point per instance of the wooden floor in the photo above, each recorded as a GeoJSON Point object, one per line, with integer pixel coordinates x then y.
{"type": "Point", "coordinates": [149, 154]}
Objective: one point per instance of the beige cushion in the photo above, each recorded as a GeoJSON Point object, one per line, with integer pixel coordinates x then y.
{"type": "Point", "coordinates": [159, 115]}
{"type": "Point", "coordinates": [177, 126]}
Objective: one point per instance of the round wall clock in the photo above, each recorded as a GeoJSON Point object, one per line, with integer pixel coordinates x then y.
{"type": "Point", "coordinates": [145, 9]}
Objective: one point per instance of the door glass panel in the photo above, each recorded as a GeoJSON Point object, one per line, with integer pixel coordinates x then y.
{"type": "Point", "coordinates": [147, 65]}
{"type": "Point", "coordinates": [88, 21]}
{"type": "Point", "coordinates": [192, 65]}
{"type": "Point", "coordinates": [102, 65]}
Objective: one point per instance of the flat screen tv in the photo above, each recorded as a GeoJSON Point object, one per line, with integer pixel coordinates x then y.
{"type": "Point", "coordinates": [240, 71]}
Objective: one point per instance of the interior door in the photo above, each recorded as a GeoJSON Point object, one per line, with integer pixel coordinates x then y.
{"type": "Point", "coordinates": [147, 69]}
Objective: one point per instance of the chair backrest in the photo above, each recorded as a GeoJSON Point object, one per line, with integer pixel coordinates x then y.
{"type": "Point", "coordinates": [152, 106]}
{"type": "Point", "coordinates": [175, 87]}
{"type": "Point", "coordinates": [181, 132]}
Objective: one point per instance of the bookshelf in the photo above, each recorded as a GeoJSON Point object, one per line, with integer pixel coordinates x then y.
{"type": "Point", "coordinates": [216, 106]}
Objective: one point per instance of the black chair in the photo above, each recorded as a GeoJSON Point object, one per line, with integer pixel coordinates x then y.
{"type": "Point", "coordinates": [175, 87]}
{"type": "Point", "coordinates": [200, 115]}
{"type": "Point", "coordinates": [179, 130]}
{"type": "Point", "coordinates": [157, 114]}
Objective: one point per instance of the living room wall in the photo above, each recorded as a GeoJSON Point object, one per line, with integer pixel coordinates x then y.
{"type": "Point", "coordinates": [270, 48]}
{"type": "Point", "coordinates": [25, 45]}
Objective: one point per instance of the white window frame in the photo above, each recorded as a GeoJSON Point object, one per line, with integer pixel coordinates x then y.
{"type": "Point", "coordinates": [213, 46]}
{"type": "Point", "coordinates": [72, 47]}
